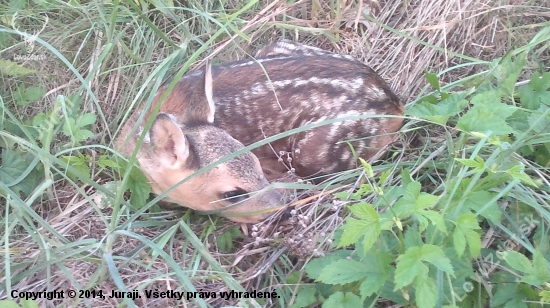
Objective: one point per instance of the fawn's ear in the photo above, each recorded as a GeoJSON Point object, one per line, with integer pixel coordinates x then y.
{"type": "Point", "coordinates": [202, 109]}
{"type": "Point", "coordinates": [169, 143]}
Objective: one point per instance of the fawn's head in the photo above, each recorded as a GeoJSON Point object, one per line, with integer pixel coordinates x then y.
{"type": "Point", "coordinates": [173, 151]}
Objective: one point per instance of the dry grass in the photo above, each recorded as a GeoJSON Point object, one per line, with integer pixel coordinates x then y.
{"type": "Point", "coordinates": [435, 35]}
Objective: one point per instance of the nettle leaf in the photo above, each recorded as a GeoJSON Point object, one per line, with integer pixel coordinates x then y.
{"type": "Point", "coordinates": [435, 255]}
{"type": "Point", "coordinates": [478, 164]}
{"type": "Point", "coordinates": [436, 218]}
{"type": "Point", "coordinates": [315, 266]}
{"type": "Point", "coordinates": [368, 225]}
{"type": "Point", "coordinates": [465, 233]}
{"type": "Point", "coordinates": [77, 162]}
{"type": "Point", "coordinates": [415, 203]}
{"type": "Point", "coordinates": [426, 292]}
{"type": "Point", "coordinates": [518, 261]}
{"type": "Point", "coordinates": [10, 68]}
{"type": "Point", "coordinates": [33, 94]}
{"type": "Point", "coordinates": [104, 161]}
{"type": "Point", "coordinates": [517, 173]}
{"type": "Point", "coordinates": [75, 128]}
{"type": "Point", "coordinates": [508, 71]}
{"type": "Point", "coordinates": [432, 80]}
{"type": "Point", "coordinates": [516, 303]}
{"type": "Point", "coordinates": [305, 297]}
{"type": "Point", "coordinates": [482, 199]}
{"type": "Point", "coordinates": [373, 273]}
{"type": "Point", "coordinates": [86, 119]}
{"type": "Point", "coordinates": [536, 91]}
{"type": "Point", "coordinates": [340, 299]}
{"type": "Point", "coordinates": [539, 123]}
{"type": "Point", "coordinates": [544, 296]}
{"type": "Point", "coordinates": [378, 272]}
{"type": "Point", "coordinates": [488, 113]}
{"type": "Point", "coordinates": [411, 264]}
{"type": "Point", "coordinates": [15, 174]}
{"type": "Point", "coordinates": [442, 111]}
{"type": "Point", "coordinates": [405, 206]}
{"type": "Point", "coordinates": [367, 167]}
{"type": "Point", "coordinates": [343, 271]}
{"type": "Point", "coordinates": [139, 187]}
{"type": "Point", "coordinates": [540, 274]}
{"type": "Point", "coordinates": [225, 240]}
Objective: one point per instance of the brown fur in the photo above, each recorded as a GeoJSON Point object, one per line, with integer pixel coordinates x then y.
{"type": "Point", "coordinates": [303, 85]}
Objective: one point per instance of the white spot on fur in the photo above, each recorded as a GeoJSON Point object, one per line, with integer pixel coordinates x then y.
{"type": "Point", "coordinates": [347, 85]}
{"type": "Point", "coordinates": [280, 83]}
{"type": "Point", "coordinates": [346, 155]}
{"type": "Point", "coordinates": [258, 89]}
{"type": "Point", "coordinates": [259, 61]}
{"type": "Point", "coordinates": [375, 93]}
{"type": "Point", "coordinates": [323, 150]}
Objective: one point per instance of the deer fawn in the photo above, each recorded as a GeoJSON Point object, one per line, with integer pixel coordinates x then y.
{"type": "Point", "coordinates": [213, 113]}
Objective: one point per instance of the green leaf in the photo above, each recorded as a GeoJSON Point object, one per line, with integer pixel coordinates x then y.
{"type": "Point", "coordinates": [544, 296]}
{"type": "Point", "coordinates": [368, 226]}
{"type": "Point", "coordinates": [482, 199]}
{"type": "Point", "coordinates": [536, 91]}
{"type": "Point", "coordinates": [488, 113]}
{"type": "Point", "coordinates": [28, 303]}
{"type": "Point", "coordinates": [33, 94]}
{"type": "Point", "coordinates": [508, 71]}
{"type": "Point", "coordinates": [540, 273]}
{"type": "Point", "coordinates": [517, 173]}
{"type": "Point", "coordinates": [478, 164]}
{"type": "Point", "coordinates": [225, 240]}
{"type": "Point", "coordinates": [374, 273]}
{"type": "Point", "coordinates": [139, 187]}
{"type": "Point", "coordinates": [10, 68]}
{"type": "Point", "coordinates": [465, 233]}
{"type": "Point", "coordinates": [433, 216]}
{"type": "Point", "coordinates": [435, 255]}
{"type": "Point", "coordinates": [432, 80]}
{"type": "Point", "coordinates": [409, 266]}
{"type": "Point", "coordinates": [14, 173]}
{"type": "Point", "coordinates": [518, 261]}
{"type": "Point", "coordinates": [515, 303]}
{"type": "Point", "coordinates": [538, 123]}
{"type": "Point", "coordinates": [78, 163]}
{"type": "Point", "coordinates": [504, 291]}
{"type": "Point", "coordinates": [315, 266]}
{"type": "Point", "coordinates": [441, 112]}
{"type": "Point", "coordinates": [378, 271]}
{"type": "Point", "coordinates": [415, 203]}
{"type": "Point", "coordinates": [11, 304]}
{"type": "Point", "coordinates": [85, 119]}
{"type": "Point", "coordinates": [105, 162]}
{"type": "Point", "coordinates": [426, 292]}
{"type": "Point", "coordinates": [367, 167]}
{"type": "Point", "coordinates": [74, 128]}
{"type": "Point", "coordinates": [340, 299]}
{"type": "Point", "coordinates": [342, 271]}
{"type": "Point", "coordinates": [305, 297]}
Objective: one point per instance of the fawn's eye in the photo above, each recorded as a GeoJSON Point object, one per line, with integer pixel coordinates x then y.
{"type": "Point", "coordinates": [236, 195]}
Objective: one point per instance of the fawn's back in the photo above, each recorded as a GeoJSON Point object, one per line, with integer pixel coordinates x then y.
{"type": "Point", "coordinates": [287, 86]}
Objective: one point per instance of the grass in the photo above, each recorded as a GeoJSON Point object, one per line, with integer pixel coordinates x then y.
{"type": "Point", "coordinates": [67, 224]}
